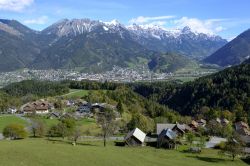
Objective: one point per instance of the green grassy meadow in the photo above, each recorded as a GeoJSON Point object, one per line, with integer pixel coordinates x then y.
{"type": "Point", "coordinates": [10, 119]}
{"type": "Point", "coordinates": [76, 93]}
{"type": "Point", "coordinates": [39, 152]}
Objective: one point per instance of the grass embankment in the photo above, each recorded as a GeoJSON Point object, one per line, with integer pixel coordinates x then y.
{"type": "Point", "coordinates": [39, 152]}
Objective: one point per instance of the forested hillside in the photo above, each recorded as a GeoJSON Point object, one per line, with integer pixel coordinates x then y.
{"type": "Point", "coordinates": [36, 88]}
{"type": "Point", "coordinates": [226, 90]}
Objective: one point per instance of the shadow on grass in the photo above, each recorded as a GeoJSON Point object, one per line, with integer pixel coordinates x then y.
{"type": "Point", "coordinates": [247, 160]}
{"type": "Point", "coordinates": [69, 142]}
{"type": "Point", "coordinates": [208, 159]}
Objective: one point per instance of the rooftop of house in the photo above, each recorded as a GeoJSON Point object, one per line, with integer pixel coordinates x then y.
{"type": "Point", "coordinates": [137, 133]}
{"type": "Point", "coordinates": [169, 133]}
{"type": "Point", "coordinates": [161, 126]}
{"type": "Point", "coordinates": [241, 124]}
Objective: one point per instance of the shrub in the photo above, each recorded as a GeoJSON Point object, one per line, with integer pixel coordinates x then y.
{"type": "Point", "coordinates": [15, 131]}
{"type": "Point", "coordinates": [220, 145]}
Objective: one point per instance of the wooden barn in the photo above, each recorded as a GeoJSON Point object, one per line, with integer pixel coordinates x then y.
{"type": "Point", "coordinates": [167, 139]}
{"type": "Point", "coordinates": [135, 137]}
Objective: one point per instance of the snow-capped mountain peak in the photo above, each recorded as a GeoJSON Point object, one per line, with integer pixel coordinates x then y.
{"type": "Point", "coordinates": [113, 22]}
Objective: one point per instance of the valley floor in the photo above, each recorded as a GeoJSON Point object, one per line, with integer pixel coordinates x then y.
{"type": "Point", "coordinates": [39, 152]}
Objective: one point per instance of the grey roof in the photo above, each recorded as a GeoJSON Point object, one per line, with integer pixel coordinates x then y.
{"type": "Point", "coordinates": [183, 127]}
{"type": "Point", "coordinates": [161, 126]}
{"type": "Point", "coordinates": [168, 133]}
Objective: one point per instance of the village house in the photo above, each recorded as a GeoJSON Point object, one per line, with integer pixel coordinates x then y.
{"type": "Point", "coordinates": [224, 122]}
{"type": "Point", "coordinates": [84, 108]}
{"type": "Point", "coordinates": [135, 137]}
{"type": "Point", "coordinates": [181, 129]}
{"type": "Point", "coordinates": [202, 122]}
{"type": "Point", "coordinates": [193, 125]}
{"type": "Point", "coordinates": [70, 103]}
{"type": "Point", "coordinates": [239, 125]}
{"type": "Point", "coordinates": [218, 121]}
{"type": "Point", "coordinates": [11, 110]}
{"type": "Point", "coordinates": [38, 107]}
{"type": "Point", "coordinates": [242, 128]}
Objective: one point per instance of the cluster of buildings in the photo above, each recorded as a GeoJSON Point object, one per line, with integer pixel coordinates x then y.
{"type": "Point", "coordinates": [82, 109]}
{"type": "Point", "coordinates": [167, 134]}
{"type": "Point", "coordinates": [117, 74]}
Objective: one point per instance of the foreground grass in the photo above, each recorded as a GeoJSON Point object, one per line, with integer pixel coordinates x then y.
{"type": "Point", "coordinates": [10, 119]}
{"type": "Point", "coordinates": [37, 152]}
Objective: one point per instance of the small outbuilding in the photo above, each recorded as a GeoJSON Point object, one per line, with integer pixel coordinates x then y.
{"type": "Point", "coordinates": [167, 139]}
{"type": "Point", "coordinates": [135, 137]}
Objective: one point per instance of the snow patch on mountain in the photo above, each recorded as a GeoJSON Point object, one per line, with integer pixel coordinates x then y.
{"type": "Point", "coordinates": [76, 27]}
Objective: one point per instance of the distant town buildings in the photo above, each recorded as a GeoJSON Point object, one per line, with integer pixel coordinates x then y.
{"type": "Point", "coordinates": [117, 74]}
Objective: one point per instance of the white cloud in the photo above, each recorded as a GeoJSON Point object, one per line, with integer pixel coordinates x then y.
{"type": "Point", "coordinates": [143, 20]}
{"type": "Point", "coordinates": [40, 20]}
{"type": "Point", "coordinates": [209, 26]}
{"type": "Point", "coordinates": [15, 5]}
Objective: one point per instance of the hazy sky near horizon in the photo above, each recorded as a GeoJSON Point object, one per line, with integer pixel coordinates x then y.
{"type": "Point", "coordinates": [226, 18]}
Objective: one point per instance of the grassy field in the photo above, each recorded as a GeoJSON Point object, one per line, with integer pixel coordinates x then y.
{"type": "Point", "coordinates": [9, 119]}
{"type": "Point", "coordinates": [76, 93]}
{"type": "Point", "coordinates": [89, 125]}
{"type": "Point", "coordinates": [39, 152]}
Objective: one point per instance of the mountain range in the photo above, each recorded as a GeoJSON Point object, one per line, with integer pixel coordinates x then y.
{"type": "Point", "coordinates": [233, 53]}
{"type": "Point", "coordinates": [97, 46]}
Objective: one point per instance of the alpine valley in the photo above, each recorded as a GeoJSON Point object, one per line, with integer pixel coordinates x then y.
{"type": "Point", "coordinates": [96, 46]}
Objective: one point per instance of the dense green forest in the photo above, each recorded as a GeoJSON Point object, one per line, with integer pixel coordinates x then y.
{"type": "Point", "coordinates": [225, 90]}
{"type": "Point", "coordinates": [36, 88]}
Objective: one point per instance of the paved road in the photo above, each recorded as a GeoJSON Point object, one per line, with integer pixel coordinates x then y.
{"type": "Point", "coordinates": [214, 141]}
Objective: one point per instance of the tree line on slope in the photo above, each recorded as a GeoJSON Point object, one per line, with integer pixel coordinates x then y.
{"type": "Point", "coordinates": [226, 90]}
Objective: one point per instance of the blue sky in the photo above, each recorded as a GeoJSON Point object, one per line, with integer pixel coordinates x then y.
{"type": "Point", "coordinates": [227, 18]}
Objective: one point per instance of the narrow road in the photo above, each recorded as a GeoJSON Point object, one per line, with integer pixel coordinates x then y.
{"type": "Point", "coordinates": [214, 141]}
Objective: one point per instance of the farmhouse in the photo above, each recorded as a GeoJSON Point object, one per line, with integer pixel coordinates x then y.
{"type": "Point", "coordinates": [239, 125]}
{"type": "Point", "coordinates": [11, 110]}
{"type": "Point", "coordinates": [202, 122]}
{"type": "Point", "coordinates": [224, 122]}
{"type": "Point", "coordinates": [181, 129]}
{"type": "Point", "coordinates": [38, 107]}
{"type": "Point", "coordinates": [193, 125]}
{"type": "Point", "coordinates": [84, 108]}
{"type": "Point", "coordinates": [135, 137]}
